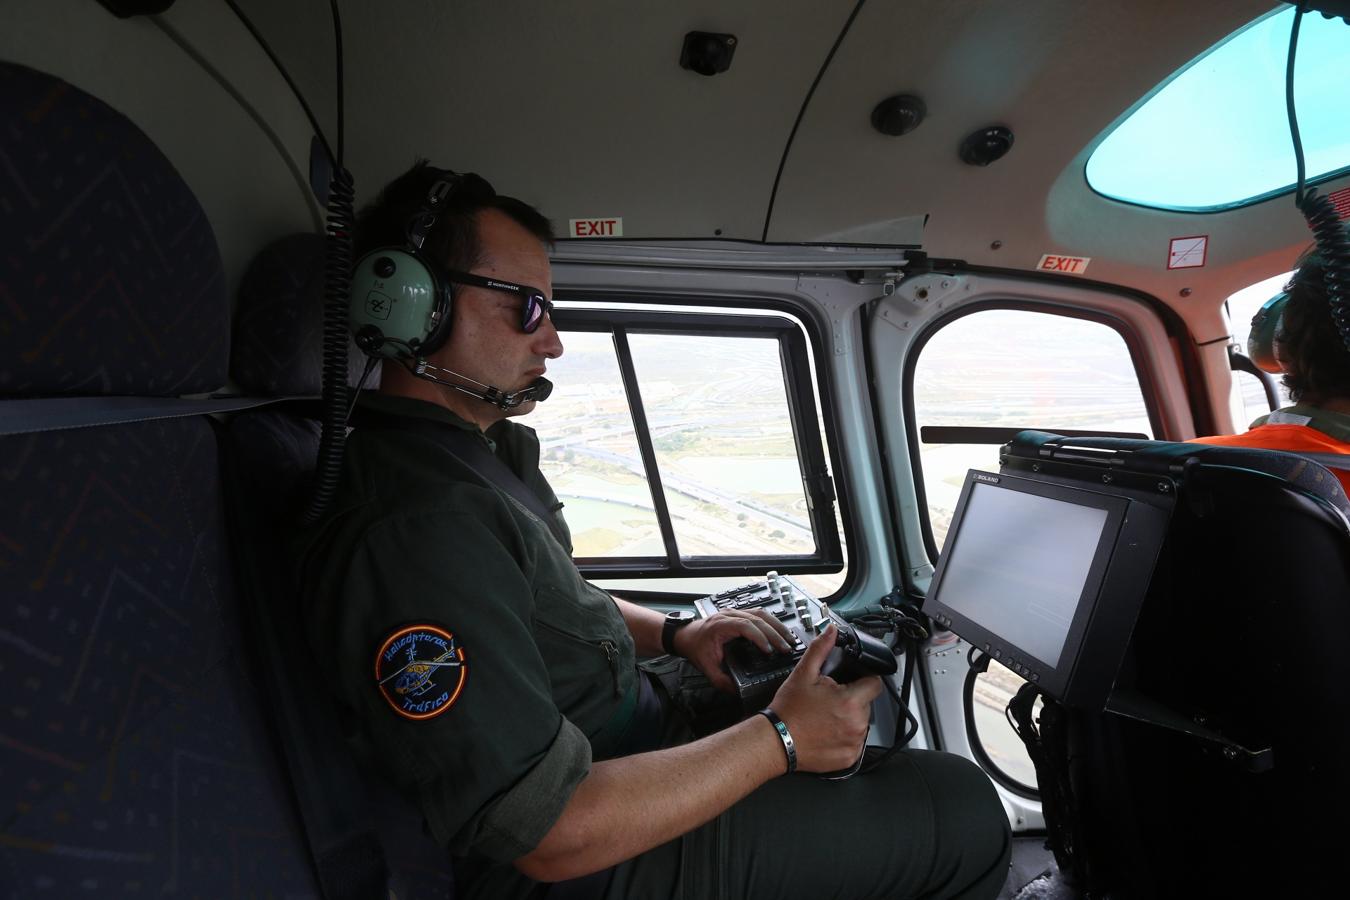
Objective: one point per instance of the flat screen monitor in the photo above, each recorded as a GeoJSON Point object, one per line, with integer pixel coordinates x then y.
{"type": "Point", "coordinates": [1047, 578]}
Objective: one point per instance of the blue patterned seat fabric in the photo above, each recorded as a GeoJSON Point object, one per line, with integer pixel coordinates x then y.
{"type": "Point", "coordinates": [133, 759]}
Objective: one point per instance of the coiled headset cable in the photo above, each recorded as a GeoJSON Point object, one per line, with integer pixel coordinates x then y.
{"type": "Point", "coordinates": [341, 219]}
{"type": "Point", "coordinates": [1328, 230]}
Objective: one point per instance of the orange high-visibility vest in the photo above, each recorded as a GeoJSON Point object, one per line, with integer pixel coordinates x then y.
{"type": "Point", "coordinates": [1287, 437]}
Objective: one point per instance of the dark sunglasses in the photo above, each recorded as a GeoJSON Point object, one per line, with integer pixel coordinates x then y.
{"type": "Point", "coordinates": [535, 304]}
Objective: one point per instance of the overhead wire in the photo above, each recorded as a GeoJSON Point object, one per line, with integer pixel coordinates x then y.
{"type": "Point", "coordinates": [290, 82]}
{"type": "Point", "coordinates": [801, 114]}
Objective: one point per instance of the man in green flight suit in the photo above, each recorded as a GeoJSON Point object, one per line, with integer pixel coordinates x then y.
{"type": "Point", "coordinates": [498, 690]}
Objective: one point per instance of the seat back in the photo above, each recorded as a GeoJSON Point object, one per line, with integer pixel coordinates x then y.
{"type": "Point", "coordinates": [1237, 648]}
{"type": "Point", "coordinates": [134, 758]}
{"type": "Point", "coordinates": [358, 829]}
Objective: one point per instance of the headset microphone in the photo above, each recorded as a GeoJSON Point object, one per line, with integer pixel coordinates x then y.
{"type": "Point", "coordinates": [538, 390]}
{"type": "Point", "coordinates": [370, 340]}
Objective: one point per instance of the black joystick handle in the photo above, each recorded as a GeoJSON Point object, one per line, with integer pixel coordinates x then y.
{"type": "Point", "coordinates": [857, 654]}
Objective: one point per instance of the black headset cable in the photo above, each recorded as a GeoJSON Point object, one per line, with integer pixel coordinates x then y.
{"type": "Point", "coordinates": [337, 397]}
{"type": "Point", "coordinates": [337, 278]}
{"type": "Point", "coordinates": [1328, 230]}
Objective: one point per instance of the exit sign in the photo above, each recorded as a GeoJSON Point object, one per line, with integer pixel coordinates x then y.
{"type": "Point", "coordinates": [595, 228]}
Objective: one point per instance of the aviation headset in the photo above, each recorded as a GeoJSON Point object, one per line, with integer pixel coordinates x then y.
{"type": "Point", "coordinates": [401, 300]}
{"type": "Point", "coordinates": [1268, 323]}
{"type": "Point", "coordinates": [1266, 330]}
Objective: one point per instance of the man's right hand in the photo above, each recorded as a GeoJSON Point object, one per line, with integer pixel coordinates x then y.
{"type": "Point", "coordinates": [609, 817]}
{"type": "Point", "coordinates": [828, 720]}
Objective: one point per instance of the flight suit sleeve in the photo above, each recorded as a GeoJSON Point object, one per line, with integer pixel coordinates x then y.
{"type": "Point", "coordinates": [439, 664]}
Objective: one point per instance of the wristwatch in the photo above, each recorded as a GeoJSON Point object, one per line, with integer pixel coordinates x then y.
{"type": "Point", "coordinates": [674, 622]}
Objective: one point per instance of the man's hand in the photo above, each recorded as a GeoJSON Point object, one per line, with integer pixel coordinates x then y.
{"type": "Point", "coordinates": [703, 642]}
{"type": "Point", "coordinates": [828, 720]}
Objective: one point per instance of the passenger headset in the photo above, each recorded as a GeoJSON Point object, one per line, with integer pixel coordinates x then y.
{"type": "Point", "coordinates": [1266, 330]}
{"type": "Point", "coordinates": [1267, 324]}
{"type": "Point", "coordinates": [402, 299]}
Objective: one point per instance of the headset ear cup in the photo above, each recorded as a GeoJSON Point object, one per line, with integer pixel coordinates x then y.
{"type": "Point", "coordinates": [395, 293]}
{"type": "Point", "coordinates": [443, 318]}
{"type": "Point", "coordinates": [1265, 331]}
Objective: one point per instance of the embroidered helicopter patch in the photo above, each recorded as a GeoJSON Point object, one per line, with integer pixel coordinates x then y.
{"type": "Point", "coordinates": [420, 671]}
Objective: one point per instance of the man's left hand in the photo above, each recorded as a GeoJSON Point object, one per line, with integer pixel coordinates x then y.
{"type": "Point", "coordinates": [703, 642]}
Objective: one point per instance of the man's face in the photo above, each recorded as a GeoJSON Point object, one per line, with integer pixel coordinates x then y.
{"type": "Point", "coordinates": [487, 343]}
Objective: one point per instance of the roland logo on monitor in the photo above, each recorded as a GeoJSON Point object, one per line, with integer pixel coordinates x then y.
{"type": "Point", "coordinates": [990, 479]}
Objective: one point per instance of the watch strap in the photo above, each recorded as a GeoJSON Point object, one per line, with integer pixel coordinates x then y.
{"type": "Point", "coordinates": [668, 629]}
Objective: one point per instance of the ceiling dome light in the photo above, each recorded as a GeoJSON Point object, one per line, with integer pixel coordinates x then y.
{"type": "Point", "coordinates": [898, 115]}
{"type": "Point", "coordinates": [986, 145]}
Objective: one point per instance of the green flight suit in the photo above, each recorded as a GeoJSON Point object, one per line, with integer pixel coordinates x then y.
{"type": "Point", "coordinates": [538, 678]}
{"type": "Point", "coordinates": [550, 678]}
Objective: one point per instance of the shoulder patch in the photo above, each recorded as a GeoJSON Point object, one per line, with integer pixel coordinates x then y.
{"type": "Point", "coordinates": [420, 671]}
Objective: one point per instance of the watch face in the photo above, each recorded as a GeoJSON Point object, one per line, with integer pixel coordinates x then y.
{"type": "Point", "coordinates": [681, 615]}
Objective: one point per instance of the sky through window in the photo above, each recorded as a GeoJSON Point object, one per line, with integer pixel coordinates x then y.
{"type": "Point", "coordinates": [1216, 135]}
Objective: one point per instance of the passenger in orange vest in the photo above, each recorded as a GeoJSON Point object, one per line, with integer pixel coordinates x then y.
{"type": "Point", "coordinates": [1316, 364]}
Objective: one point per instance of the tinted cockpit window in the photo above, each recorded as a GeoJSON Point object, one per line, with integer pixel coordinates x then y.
{"type": "Point", "coordinates": [1216, 134]}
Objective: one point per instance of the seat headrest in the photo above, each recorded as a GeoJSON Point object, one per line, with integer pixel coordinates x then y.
{"type": "Point", "coordinates": [111, 280]}
{"type": "Point", "coordinates": [278, 324]}
{"type": "Point", "coordinates": [1298, 471]}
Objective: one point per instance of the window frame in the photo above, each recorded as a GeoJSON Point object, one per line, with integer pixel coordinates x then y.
{"type": "Point", "coordinates": [1241, 362]}
{"type": "Point", "coordinates": [822, 485]}
{"type": "Point", "coordinates": [1148, 385]}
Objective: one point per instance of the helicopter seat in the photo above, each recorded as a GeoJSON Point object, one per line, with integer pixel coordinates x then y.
{"type": "Point", "coordinates": [135, 757]}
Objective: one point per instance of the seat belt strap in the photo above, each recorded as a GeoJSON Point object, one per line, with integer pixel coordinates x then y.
{"type": "Point", "coordinates": [1328, 460]}
{"type": "Point", "coordinates": [31, 416]}
{"type": "Point", "coordinates": [469, 449]}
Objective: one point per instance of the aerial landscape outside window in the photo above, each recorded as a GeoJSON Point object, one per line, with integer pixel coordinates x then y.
{"type": "Point", "coordinates": [1022, 369]}
{"type": "Point", "coordinates": [1216, 135]}
{"type": "Point", "coordinates": [718, 413]}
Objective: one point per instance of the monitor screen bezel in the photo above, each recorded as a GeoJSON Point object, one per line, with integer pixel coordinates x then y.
{"type": "Point", "coordinates": [1054, 679]}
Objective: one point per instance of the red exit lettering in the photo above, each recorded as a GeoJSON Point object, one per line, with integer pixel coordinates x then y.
{"type": "Point", "coordinates": [597, 227]}
{"type": "Point", "coordinates": [1073, 265]}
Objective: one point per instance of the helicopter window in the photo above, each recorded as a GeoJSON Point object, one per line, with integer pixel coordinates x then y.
{"type": "Point", "coordinates": [1004, 370]}
{"type": "Point", "coordinates": [1162, 153]}
{"type": "Point", "coordinates": [979, 379]}
{"type": "Point", "coordinates": [1252, 397]}
{"type": "Point", "coordinates": [716, 410]}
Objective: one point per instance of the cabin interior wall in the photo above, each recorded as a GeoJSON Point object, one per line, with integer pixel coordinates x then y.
{"type": "Point", "coordinates": [1059, 75]}
{"type": "Point", "coordinates": [585, 111]}
{"type": "Point", "coordinates": [242, 146]}
{"type": "Point", "coordinates": [583, 108]}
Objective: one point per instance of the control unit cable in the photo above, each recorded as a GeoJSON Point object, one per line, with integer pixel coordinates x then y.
{"type": "Point", "coordinates": [908, 624]}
